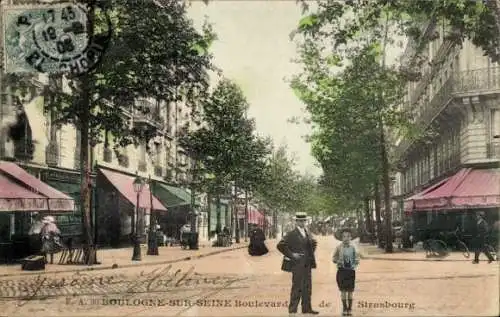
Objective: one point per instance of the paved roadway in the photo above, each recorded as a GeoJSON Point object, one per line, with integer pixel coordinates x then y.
{"type": "Point", "coordinates": [235, 284]}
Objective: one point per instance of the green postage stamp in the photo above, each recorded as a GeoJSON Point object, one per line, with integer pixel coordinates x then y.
{"type": "Point", "coordinates": [49, 39]}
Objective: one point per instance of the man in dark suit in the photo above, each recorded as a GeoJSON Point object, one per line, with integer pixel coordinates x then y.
{"type": "Point", "coordinates": [480, 238]}
{"type": "Point", "coordinates": [298, 248]}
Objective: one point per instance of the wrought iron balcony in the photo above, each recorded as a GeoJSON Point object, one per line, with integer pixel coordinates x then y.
{"type": "Point", "coordinates": [123, 160]}
{"type": "Point", "coordinates": [142, 166]}
{"type": "Point", "coordinates": [145, 113]}
{"type": "Point", "coordinates": [467, 83]}
{"type": "Point", "coordinates": [494, 149]}
{"type": "Point", "coordinates": [107, 155]}
{"type": "Point", "coordinates": [24, 152]}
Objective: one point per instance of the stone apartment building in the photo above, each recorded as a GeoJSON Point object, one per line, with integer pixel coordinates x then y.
{"type": "Point", "coordinates": [51, 152]}
{"type": "Point", "coordinates": [32, 139]}
{"type": "Point", "coordinates": [453, 170]}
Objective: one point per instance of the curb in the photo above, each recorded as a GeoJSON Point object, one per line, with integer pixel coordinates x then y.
{"type": "Point", "coordinates": [413, 260]}
{"type": "Point", "coordinates": [110, 267]}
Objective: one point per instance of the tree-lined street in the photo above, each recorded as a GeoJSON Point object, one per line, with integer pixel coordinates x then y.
{"type": "Point", "coordinates": [153, 139]}
{"type": "Point", "coordinates": [255, 286]}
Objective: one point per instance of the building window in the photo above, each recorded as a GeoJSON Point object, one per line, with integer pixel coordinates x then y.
{"type": "Point", "coordinates": [445, 153]}
{"type": "Point", "coordinates": [419, 172]}
{"type": "Point", "coordinates": [495, 124]}
{"type": "Point", "coordinates": [415, 175]}
{"type": "Point", "coordinates": [439, 159]}
{"type": "Point", "coordinates": [429, 175]}
{"type": "Point", "coordinates": [142, 152]}
{"type": "Point", "coordinates": [157, 153]}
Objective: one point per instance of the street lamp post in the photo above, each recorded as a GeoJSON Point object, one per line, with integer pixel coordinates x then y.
{"type": "Point", "coordinates": [152, 241]}
{"type": "Point", "coordinates": [193, 242]}
{"type": "Point", "coordinates": [138, 186]}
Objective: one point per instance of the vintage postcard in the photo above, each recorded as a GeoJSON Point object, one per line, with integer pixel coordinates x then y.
{"type": "Point", "coordinates": [249, 158]}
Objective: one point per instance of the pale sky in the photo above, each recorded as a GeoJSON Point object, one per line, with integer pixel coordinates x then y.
{"type": "Point", "coordinates": [254, 50]}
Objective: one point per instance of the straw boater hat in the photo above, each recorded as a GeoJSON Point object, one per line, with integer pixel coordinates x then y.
{"type": "Point", "coordinates": [301, 216]}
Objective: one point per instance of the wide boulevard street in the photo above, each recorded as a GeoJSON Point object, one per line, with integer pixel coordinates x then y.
{"type": "Point", "coordinates": [235, 284]}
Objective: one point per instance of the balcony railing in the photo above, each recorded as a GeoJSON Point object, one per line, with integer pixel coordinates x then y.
{"type": "Point", "coordinates": [146, 113]}
{"type": "Point", "coordinates": [24, 152]}
{"type": "Point", "coordinates": [494, 149]}
{"type": "Point", "coordinates": [478, 82]}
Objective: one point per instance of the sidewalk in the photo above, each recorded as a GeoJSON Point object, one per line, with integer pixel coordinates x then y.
{"type": "Point", "coordinates": [121, 258]}
{"type": "Point", "coordinates": [370, 251]}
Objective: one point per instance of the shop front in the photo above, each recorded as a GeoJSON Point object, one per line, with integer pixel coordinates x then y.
{"type": "Point", "coordinates": [22, 195]}
{"type": "Point", "coordinates": [225, 216]}
{"type": "Point", "coordinates": [178, 202]}
{"type": "Point", "coordinates": [121, 210]}
{"type": "Point", "coordinates": [453, 202]}
{"type": "Point", "coordinates": [68, 182]}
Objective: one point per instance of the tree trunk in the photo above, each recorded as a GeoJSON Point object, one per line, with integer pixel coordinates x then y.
{"type": "Point", "coordinates": [387, 193]}
{"type": "Point", "coordinates": [85, 164]}
{"type": "Point", "coordinates": [368, 219]}
{"type": "Point", "coordinates": [209, 216]}
{"type": "Point", "coordinates": [385, 160]}
{"type": "Point", "coordinates": [235, 214]}
{"type": "Point", "coordinates": [246, 216]}
{"type": "Point", "coordinates": [377, 216]}
{"type": "Point", "coordinates": [85, 176]}
{"type": "Point", "coordinates": [275, 224]}
{"type": "Point", "coordinates": [194, 176]}
{"type": "Point", "coordinates": [218, 226]}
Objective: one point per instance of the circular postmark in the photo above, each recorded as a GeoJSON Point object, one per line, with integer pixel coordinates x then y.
{"type": "Point", "coordinates": [59, 38]}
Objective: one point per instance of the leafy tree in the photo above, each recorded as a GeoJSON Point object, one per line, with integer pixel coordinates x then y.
{"type": "Point", "coordinates": [345, 110]}
{"type": "Point", "coordinates": [155, 53]}
{"type": "Point", "coordinates": [225, 144]}
{"type": "Point", "coordinates": [346, 21]}
{"type": "Point", "coordinates": [277, 190]}
{"type": "Point", "coordinates": [334, 29]}
{"type": "Point", "coordinates": [350, 109]}
{"type": "Point", "coordinates": [251, 171]}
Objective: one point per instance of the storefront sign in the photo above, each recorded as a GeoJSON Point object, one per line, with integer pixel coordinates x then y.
{"type": "Point", "coordinates": [23, 204]}
{"type": "Point", "coordinates": [60, 176]}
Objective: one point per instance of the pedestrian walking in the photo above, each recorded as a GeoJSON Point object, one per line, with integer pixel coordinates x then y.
{"type": "Point", "coordinates": [51, 238]}
{"type": "Point", "coordinates": [480, 238]}
{"type": "Point", "coordinates": [347, 259]}
{"type": "Point", "coordinates": [298, 247]}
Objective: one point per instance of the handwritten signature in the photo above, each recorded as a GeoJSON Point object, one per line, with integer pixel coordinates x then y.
{"type": "Point", "coordinates": [158, 280]}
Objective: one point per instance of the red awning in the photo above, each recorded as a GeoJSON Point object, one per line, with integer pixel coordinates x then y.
{"type": "Point", "coordinates": [57, 200]}
{"type": "Point", "coordinates": [124, 184]}
{"type": "Point", "coordinates": [409, 202]}
{"type": "Point", "coordinates": [467, 188]}
{"type": "Point", "coordinates": [254, 215]}
{"type": "Point", "coordinates": [481, 188]}
{"type": "Point", "coordinates": [14, 197]}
